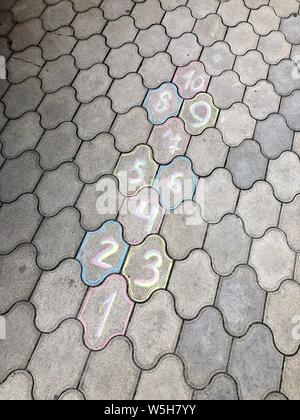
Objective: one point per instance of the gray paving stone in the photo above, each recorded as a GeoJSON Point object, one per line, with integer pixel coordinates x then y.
{"type": "Point", "coordinates": [58, 146]}
{"type": "Point", "coordinates": [114, 10]}
{"type": "Point", "coordinates": [24, 10]}
{"type": "Point", "coordinates": [58, 15]}
{"type": "Point", "coordinates": [184, 50]}
{"type": "Point", "coordinates": [57, 74]}
{"type": "Point", "coordinates": [203, 30]}
{"type": "Point", "coordinates": [221, 388]}
{"type": "Point", "coordinates": [185, 222]}
{"type": "Point", "coordinates": [58, 189]}
{"type": "Point", "coordinates": [157, 70]}
{"type": "Point", "coordinates": [272, 259]}
{"type": "Point", "coordinates": [151, 41]}
{"type": "Point", "coordinates": [227, 244]}
{"type": "Point", "coordinates": [290, 27]}
{"type": "Point", "coordinates": [19, 275]}
{"type": "Point", "coordinates": [207, 152]}
{"type": "Point", "coordinates": [155, 384]}
{"type": "Point", "coordinates": [92, 83]}
{"type": "Point", "coordinates": [127, 93]}
{"type": "Point", "coordinates": [258, 372]}
{"type": "Point", "coordinates": [131, 129]}
{"type": "Point", "coordinates": [226, 89]}
{"type": "Point", "coordinates": [97, 157]}
{"type": "Point", "coordinates": [262, 100]}
{"type": "Point", "coordinates": [217, 58]}
{"type": "Point", "coordinates": [251, 67]}
{"type": "Point", "coordinates": [154, 329]}
{"type": "Point", "coordinates": [24, 64]}
{"type": "Point", "coordinates": [58, 238]}
{"type": "Point", "coordinates": [285, 77]}
{"type": "Point", "coordinates": [247, 164]}
{"type": "Point", "coordinates": [202, 8]}
{"type": "Point", "coordinates": [58, 107]}
{"type": "Point", "coordinates": [87, 118]}
{"type": "Point", "coordinates": [291, 382]}
{"type": "Point", "coordinates": [19, 176]}
{"type": "Point", "coordinates": [5, 47]}
{"type": "Point", "coordinates": [233, 12]}
{"type": "Point", "coordinates": [124, 60]}
{"type": "Point", "coordinates": [58, 43]}
{"type": "Point", "coordinates": [92, 199]}
{"type": "Point", "coordinates": [264, 20]}
{"type": "Point", "coordinates": [276, 396]}
{"type": "Point", "coordinates": [236, 124]}
{"type": "Point", "coordinates": [88, 23]}
{"type": "Point", "coordinates": [3, 119]}
{"type": "Point", "coordinates": [296, 144]}
{"type": "Point", "coordinates": [6, 22]}
{"type": "Point", "coordinates": [147, 13]}
{"type": "Point", "coordinates": [241, 300]}
{"type": "Point", "coordinates": [24, 35]}
{"type": "Point", "coordinates": [21, 338]}
{"type": "Point", "coordinates": [172, 4]}
{"type": "Point", "coordinates": [23, 97]}
{"type": "Point", "coordinates": [111, 373]}
{"type": "Point", "coordinates": [284, 176]}
{"type": "Point", "coordinates": [84, 5]}
{"type": "Point", "coordinates": [18, 222]}
{"type": "Point", "coordinates": [204, 347]}
{"type": "Point", "coordinates": [72, 395]}
{"type": "Point", "coordinates": [178, 22]}
{"type": "Point", "coordinates": [21, 135]}
{"type": "Point", "coordinates": [7, 4]}
{"type": "Point", "coordinates": [17, 387]}
{"type": "Point", "coordinates": [52, 371]}
{"type": "Point", "coordinates": [274, 47]}
{"type": "Point", "coordinates": [119, 32]}
{"type": "Point", "coordinates": [259, 209]}
{"type": "Point", "coordinates": [289, 223]}
{"type": "Point", "coordinates": [282, 317]}
{"type": "Point", "coordinates": [291, 111]}
{"type": "Point", "coordinates": [89, 52]}
{"type": "Point", "coordinates": [274, 136]}
{"type": "Point", "coordinates": [285, 9]}
{"type": "Point", "coordinates": [210, 189]}
{"type": "Point", "coordinates": [242, 38]}
{"type": "Point", "coordinates": [199, 287]}
{"type": "Point", "coordinates": [58, 295]}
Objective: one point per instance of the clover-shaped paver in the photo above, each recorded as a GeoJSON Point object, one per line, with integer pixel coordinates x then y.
{"type": "Point", "coordinates": [191, 80]}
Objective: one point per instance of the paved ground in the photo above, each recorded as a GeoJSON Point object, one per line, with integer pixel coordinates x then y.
{"type": "Point", "coordinates": [118, 279]}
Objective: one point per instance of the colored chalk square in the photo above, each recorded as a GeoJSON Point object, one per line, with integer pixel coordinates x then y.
{"type": "Point", "coordinates": [141, 215]}
{"type": "Point", "coordinates": [175, 183]}
{"type": "Point", "coordinates": [191, 80]}
{"type": "Point", "coordinates": [102, 253]}
{"type": "Point", "coordinates": [199, 113]}
{"type": "Point", "coordinates": [163, 103]}
{"type": "Point", "coordinates": [136, 170]}
{"type": "Point", "coordinates": [105, 312]}
{"type": "Point", "coordinates": [169, 140]}
{"type": "Point", "coordinates": [147, 268]}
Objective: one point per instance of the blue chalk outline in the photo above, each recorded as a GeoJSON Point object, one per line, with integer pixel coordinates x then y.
{"type": "Point", "coordinates": [113, 270]}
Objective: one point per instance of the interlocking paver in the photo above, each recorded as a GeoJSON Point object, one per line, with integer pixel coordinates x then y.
{"type": "Point", "coordinates": [58, 295]}
{"type": "Point", "coordinates": [221, 388]}
{"type": "Point", "coordinates": [204, 347]}
{"type": "Point", "coordinates": [256, 4]}
{"type": "Point", "coordinates": [184, 50]}
{"type": "Point", "coordinates": [157, 70]}
{"type": "Point", "coordinates": [262, 100]}
{"type": "Point", "coordinates": [289, 223]}
{"type": "Point", "coordinates": [90, 51]}
{"type": "Point", "coordinates": [111, 373]}
{"type": "Point", "coordinates": [20, 341]}
{"type": "Point", "coordinates": [264, 20]}
{"type": "Point", "coordinates": [3, 119]}
{"type": "Point", "coordinates": [155, 384]}
{"type": "Point", "coordinates": [285, 9]}
{"type": "Point", "coordinates": [24, 10]}
{"type": "Point", "coordinates": [290, 381]}
{"type": "Point", "coordinates": [201, 8]}
{"type": "Point", "coordinates": [151, 41]}
{"type": "Point", "coordinates": [274, 47]}
{"type": "Point", "coordinates": [84, 5]}
{"type": "Point", "coordinates": [290, 28]}
{"type": "Point", "coordinates": [92, 83]}
{"type": "Point", "coordinates": [119, 32]}
{"type": "Point", "coordinates": [26, 34]}
{"type": "Point", "coordinates": [171, 4]}
{"type": "Point", "coordinates": [147, 13]}
{"type": "Point", "coordinates": [58, 238]}
{"type": "Point", "coordinates": [241, 300]}
{"type": "Point", "coordinates": [32, 63]}
{"type": "Point", "coordinates": [251, 67]}
{"type": "Point", "coordinates": [116, 9]}
{"type": "Point", "coordinates": [290, 110]}
{"type": "Point", "coordinates": [285, 77]}
{"type": "Point", "coordinates": [281, 316]}
{"type": "Point", "coordinates": [57, 74]}
{"type": "Point", "coordinates": [242, 38]}
{"type": "Point", "coordinates": [178, 22]}
{"type": "Point", "coordinates": [272, 259]}
{"type": "Point", "coordinates": [72, 395]}
{"type": "Point", "coordinates": [17, 387]}
{"type": "Point", "coordinates": [92, 158]}
{"type": "Point", "coordinates": [226, 89]}
{"type": "Point", "coordinates": [52, 371]}
{"type": "Point", "coordinates": [154, 329]}
{"type": "Point", "coordinates": [57, 146]}
{"type": "Point", "coordinates": [191, 80]}
{"type": "Point", "coordinates": [276, 396]}
{"type": "Point", "coordinates": [258, 372]}
{"type": "Point", "coordinates": [124, 60]}
{"type": "Point", "coordinates": [18, 222]}
{"type": "Point", "coordinates": [217, 58]}
{"type": "Point", "coordinates": [88, 23]}
{"type": "Point", "coordinates": [233, 12]}
{"type": "Point", "coordinates": [58, 15]}
{"type": "Point", "coordinates": [58, 43]}
{"type": "Point", "coordinates": [259, 209]}
{"type": "Point", "coordinates": [127, 93]}
{"type": "Point", "coordinates": [200, 285]}
{"type": "Point", "coordinates": [19, 275]}
{"type": "Point", "coordinates": [199, 113]}
{"type": "Point", "coordinates": [227, 244]}
{"type": "Point", "coordinates": [206, 36]}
